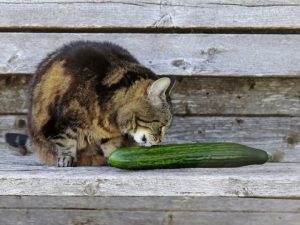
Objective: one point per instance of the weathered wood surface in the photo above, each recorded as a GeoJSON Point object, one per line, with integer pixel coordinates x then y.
{"type": "Point", "coordinates": [277, 135]}
{"type": "Point", "coordinates": [149, 14]}
{"type": "Point", "coordinates": [280, 180]}
{"type": "Point", "coordinates": [273, 134]}
{"type": "Point", "coordinates": [31, 193]}
{"type": "Point", "coordinates": [92, 217]}
{"type": "Point", "coordinates": [237, 96]}
{"type": "Point", "coordinates": [170, 54]}
{"type": "Point", "coordinates": [95, 217]}
{"type": "Point", "coordinates": [153, 203]}
{"type": "Point", "coordinates": [196, 95]}
{"type": "Point", "coordinates": [78, 210]}
{"type": "Point", "coordinates": [13, 93]}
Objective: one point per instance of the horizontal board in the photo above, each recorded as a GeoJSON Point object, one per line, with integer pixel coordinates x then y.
{"type": "Point", "coordinates": [13, 93]}
{"type": "Point", "coordinates": [153, 203]}
{"type": "Point", "coordinates": [92, 217]}
{"type": "Point", "coordinates": [196, 95]}
{"type": "Point", "coordinates": [237, 96]}
{"type": "Point", "coordinates": [170, 54]}
{"type": "Point", "coordinates": [279, 136]}
{"type": "Point", "coordinates": [149, 14]}
{"type": "Point", "coordinates": [271, 180]}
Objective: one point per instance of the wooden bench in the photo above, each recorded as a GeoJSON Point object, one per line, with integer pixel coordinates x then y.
{"type": "Point", "coordinates": [237, 65]}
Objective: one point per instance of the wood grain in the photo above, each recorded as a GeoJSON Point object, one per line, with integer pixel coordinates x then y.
{"type": "Point", "coordinates": [279, 136]}
{"type": "Point", "coordinates": [152, 203]}
{"type": "Point", "coordinates": [13, 93]}
{"type": "Point", "coordinates": [271, 180]}
{"type": "Point", "coordinates": [170, 54]}
{"type": "Point", "coordinates": [196, 95]}
{"type": "Point", "coordinates": [251, 81]}
{"type": "Point", "coordinates": [96, 217]}
{"type": "Point", "coordinates": [273, 134]}
{"type": "Point", "coordinates": [237, 96]}
{"type": "Point", "coordinates": [235, 218]}
{"type": "Point", "coordinates": [149, 14]}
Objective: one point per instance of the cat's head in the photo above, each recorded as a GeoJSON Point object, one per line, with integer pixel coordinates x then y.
{"type": "Point", "coordinates": [151, 113]}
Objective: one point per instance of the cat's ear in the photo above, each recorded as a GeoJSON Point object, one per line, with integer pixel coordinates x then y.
{"type": "Point", "coordinates": [171, 86]}
{"type": "Point", "coordinates": [158, 88]}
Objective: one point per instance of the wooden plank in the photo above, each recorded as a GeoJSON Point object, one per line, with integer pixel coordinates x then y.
{"type": "Point", "coordinates": [278, 135]}
{"type": "Point", "coordinates": [11, 124]}
{"type": "Point", "coordinates": [273, 134]}
{"type": "Point", "coordinates": [150, 14]}
{"type": "Point", "coordinates": [196, 95]}
{"type": "Point", "coordinates": [13, 94]}
{"type": "Point", "coordinates": [153, 203]}
{"type": "Point", "coordinates": [236, 96]}
{"type": "Point", "coordinates": [92, 217]}
{"type": "Point", "coordinates": [271, 180]}
{"type": "Point", "coordinates": [79, 217]}
{"type": "Point", "coordinates": [170, 54]}
{"type": "Point", "coordinates": [235, 218]}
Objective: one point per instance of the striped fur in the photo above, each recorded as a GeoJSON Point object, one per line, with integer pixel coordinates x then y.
{"type": "Point", "coordinates": [90, 97]}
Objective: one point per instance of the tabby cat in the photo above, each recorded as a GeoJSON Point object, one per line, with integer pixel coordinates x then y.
{"type": "Point", "coordinates": [88, 98]}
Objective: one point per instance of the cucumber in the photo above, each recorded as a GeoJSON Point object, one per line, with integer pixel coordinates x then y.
{"type": "Point", "coordinates": [186, 155]}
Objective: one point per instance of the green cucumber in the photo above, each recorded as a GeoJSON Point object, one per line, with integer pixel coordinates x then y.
{"type": "Point", "coordinates": [186, 155]}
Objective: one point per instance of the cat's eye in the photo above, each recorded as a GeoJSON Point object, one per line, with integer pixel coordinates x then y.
{"type": "Point", "coordinates": [147, 121]}
{"type": "Point", "coordinates": [155, 121]}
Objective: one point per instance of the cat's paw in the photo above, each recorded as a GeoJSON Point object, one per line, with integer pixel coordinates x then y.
{"type": "Point", "coordinates": [66, 161]}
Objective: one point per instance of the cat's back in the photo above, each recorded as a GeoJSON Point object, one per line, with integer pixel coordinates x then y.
{"type": "Point", "coordinates": [85, 55]}
{"type": "Point", "coordinates": [67, 72]}
{"type": "Point", "coordinates": [75, 63]}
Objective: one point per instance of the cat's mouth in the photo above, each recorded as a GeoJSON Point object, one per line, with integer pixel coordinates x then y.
{"type": "Point", "coordinates": [147, 144]}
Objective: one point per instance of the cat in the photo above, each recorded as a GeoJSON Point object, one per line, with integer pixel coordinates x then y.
{"type": "Point", "coordinates": [87, 99]}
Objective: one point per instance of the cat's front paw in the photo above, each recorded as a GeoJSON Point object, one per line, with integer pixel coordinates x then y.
{"type": "Point", "coordinates": [66, 161]}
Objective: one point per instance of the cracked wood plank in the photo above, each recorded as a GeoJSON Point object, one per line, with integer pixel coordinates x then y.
{"type": "Point", "coordinates": [271, 180]}
{"type": "Point", "coordinates": [97, 14]}
{"type": "Point", "coordinates": [279, 136]}
{"type": "Point", "coordinates": [170, 54]}
{"type": "Point", "coordinates": [196, 95]}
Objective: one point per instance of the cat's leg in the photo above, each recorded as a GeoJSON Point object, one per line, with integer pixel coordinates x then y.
{"type": "Point", "coordinates": [128, 141]}
{"type": "Point", "coordinates": [45, 149]}
{"type": "Point", "coordinates": [66, 149]}
{"type": "Point", "coordinates": [91, 156]}
{"type": "Point", "coordinates": [112, 144]}
{"type": "Point", "coordinates": [97, 155]}
{"type": "Point", "coordinates": [108, 146]}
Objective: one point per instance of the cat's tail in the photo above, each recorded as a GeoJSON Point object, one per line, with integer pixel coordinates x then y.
{"type": "Point", "coordinates": [20, 141]}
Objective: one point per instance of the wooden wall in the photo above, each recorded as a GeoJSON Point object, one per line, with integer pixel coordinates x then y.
{"type": "Point", "coordinates": [237, 65]}
{"type": "Point", "coordinates": [236, 62]}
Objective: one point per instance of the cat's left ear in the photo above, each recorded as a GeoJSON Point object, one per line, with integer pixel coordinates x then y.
{"type": "Point", "coordinates": [171, 86]}
{"type": "Point", "coordinates": [159, 88]}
